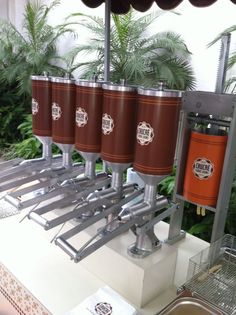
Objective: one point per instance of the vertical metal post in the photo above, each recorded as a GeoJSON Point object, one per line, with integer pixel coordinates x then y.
{"type": "Point", "coordinates": [107, 50]}
{"type": "Point", "coordinates": [226, 182]}
{"type": "Point", "coordinates": [107, 40]}
{"type": "Point", "coordinates": [175, 232]}
{"type": "Point", "coordinates": [223, 61]}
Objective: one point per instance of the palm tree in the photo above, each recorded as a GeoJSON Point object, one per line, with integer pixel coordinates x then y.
{"type": "Point", "coordinates": [33, 50]}
{"type": "Point", "coordinates": [136, 56]}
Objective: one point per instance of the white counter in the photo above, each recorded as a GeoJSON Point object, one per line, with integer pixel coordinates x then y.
{"type": "Point", "coordinates": [60, 284]}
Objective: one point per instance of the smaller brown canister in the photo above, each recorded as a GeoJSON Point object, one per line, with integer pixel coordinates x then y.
{"type": "Point", "coordinates": [63, 110]}
{"type": "Point", "coordinates": [88, 116]}
{"type": "Point", "coordinates": [118, 123]}
{"type": "Point", "coordinates": [156, 131]}
{"type": "Point", "coordinates": [41, 106]}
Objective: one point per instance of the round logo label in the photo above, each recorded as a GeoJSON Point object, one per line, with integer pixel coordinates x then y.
{"type": "Point", "coordinates": [145, 133]}
{"type": "Point", "coordinates": [56, 111]}
{"type": "Point", "coordinates": [103, 308]}
{"type": "Point", "coordinates": [35, 106]}
{"type": "Point", "coordinates": [81, 117]}
{"type": "Point", "coordinates": [107, 124]}
{"type": "Point", "coordinates": [203, 168]}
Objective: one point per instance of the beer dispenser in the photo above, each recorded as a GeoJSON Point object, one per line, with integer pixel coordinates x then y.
{"type": "Point", "coordinates": [206, 159]}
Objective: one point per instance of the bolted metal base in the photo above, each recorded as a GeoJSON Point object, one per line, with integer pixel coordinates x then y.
{"type": "Point", "coordinates": [176, 238]}
{"type": "Point", "coordinates": [136, 252]}
{"type": "Point", "coordinates": [146, 244]}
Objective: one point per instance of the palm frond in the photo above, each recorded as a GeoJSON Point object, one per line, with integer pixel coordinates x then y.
{"type": "Point", "coordinates": [33, 51]}
{"type": "Point", "coordinates": [135, 55]}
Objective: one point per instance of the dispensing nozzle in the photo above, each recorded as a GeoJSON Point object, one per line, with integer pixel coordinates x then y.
{"type": "Point", "coordinates": [142, 209]}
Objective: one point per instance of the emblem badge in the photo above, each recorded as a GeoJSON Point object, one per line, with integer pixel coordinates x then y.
{"type": "Point", "coordinates": [103, 308]}
{"type": "Point", "coordinates": [203, 168]}
{"type": "Point", "coordinates": [107, 124]}
{"type": "Point", "coordinates": [35, 106]}
{"type": "Point", "coordinates": [81, 117]}
{"type": "Point", "coordinates": [145, 133]}
{"type": "Point", "coordinates": [56, 111]}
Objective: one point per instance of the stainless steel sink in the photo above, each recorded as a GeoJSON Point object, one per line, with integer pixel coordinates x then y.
{"type": "Point", "coordinates": [190, 306]}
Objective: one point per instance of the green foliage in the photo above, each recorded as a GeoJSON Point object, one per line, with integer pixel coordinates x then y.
{"type": "Point", "coordinates": [29, 147]}
{"type": "Point", "coordinates": [166, 186]}
{"type": "Point", "coordinates": [136, 56]}
{"type": "Point", "coordinates": [31, 51]}
{"type": "Point", "coordinates": [201, 226]}
{"type": "Point", "coordinates": [11, 112]}
{"type": "Point", "coordinates": [231, 218]}
{"type": "Point", "coordinates": [230, 83]}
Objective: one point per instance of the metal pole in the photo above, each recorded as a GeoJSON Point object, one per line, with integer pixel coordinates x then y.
{"type": "Point", "coordinates": [226, 182]}
{"type": "Point", "coordinates": [223, 61]}
{"type": "Point", "coordinates": [107, 40]}
{"type": "Point", "coordinates": [107, 50]}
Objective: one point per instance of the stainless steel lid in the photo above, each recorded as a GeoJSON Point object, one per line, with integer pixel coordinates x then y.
{"type": "Point", "coordinates": [119, 87]}
{"type": "Point", "coordinates": [44, 77]}
{"type": "Point", "coordinates": [89, 83]}
{"type": "Point", "coordinates": [158, 92]}
{"type": "Point", "coordinates": [64, 80]}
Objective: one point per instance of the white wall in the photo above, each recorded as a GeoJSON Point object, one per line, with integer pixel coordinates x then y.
{"type": "Point", "coordinates": [198, 26]}
{"type": "Point", "coordinates": [4, 9]}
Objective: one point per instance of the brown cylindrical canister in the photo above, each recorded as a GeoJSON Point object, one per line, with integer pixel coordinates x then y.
{"type": "Point", "coordinates": [41, 106]}
{"type": "Point", "coordinates": [63, 110]}
{"type": "Point", "coordinates": [204, 168]}
{"type": "Point", "coordinates": [157, 127]}
{"type": "Point", "coordinates": [118, 123]}
{"type": "Point", "coordinates": [88, 116]}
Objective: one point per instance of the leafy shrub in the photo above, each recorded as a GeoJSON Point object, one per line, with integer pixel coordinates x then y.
{"type": "Point", "coordinates": [201, 226]}
{"type": "Point", "coordinates": [22, 54]}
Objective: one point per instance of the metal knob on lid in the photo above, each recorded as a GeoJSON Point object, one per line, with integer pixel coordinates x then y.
{"type": "Point", "coordinates": [88, 116]}
{"type": "Point", "coordinates": [122, 87]}
{"type": "Point", "coordinates": [63, 110]}
{"type": "Point", "coordinates": [156, 133]}
{"type": "Point", "coordinates": [63, 80]}
{"type": "Point", "coordinates": [41, 105]}
{"type": "Point", "coordinates": [118, 122]}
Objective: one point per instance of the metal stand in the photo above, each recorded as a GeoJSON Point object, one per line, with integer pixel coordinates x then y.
{"type": "Point", "coordinates": [139, 217]}
{"type": "Point", "coordinates": [117, 187]}
{"type": "Point", "coordinates": [146, 240]}
{"type": "Point", "coordinates": [222, 108]}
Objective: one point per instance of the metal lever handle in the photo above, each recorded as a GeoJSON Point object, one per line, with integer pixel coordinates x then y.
{"type": "Point", "coordinates": [91, 220]}
{"type": "Point", "coordinates": [88, 248]}
{"type": "Point", "coordinates": [85, 251]}
{"type": "Point", "coordinates": [38, 219]}
{"type": "Point", "coordinates": [64, 245]}
{"type": "Point", "coordinates": [12, 163]}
